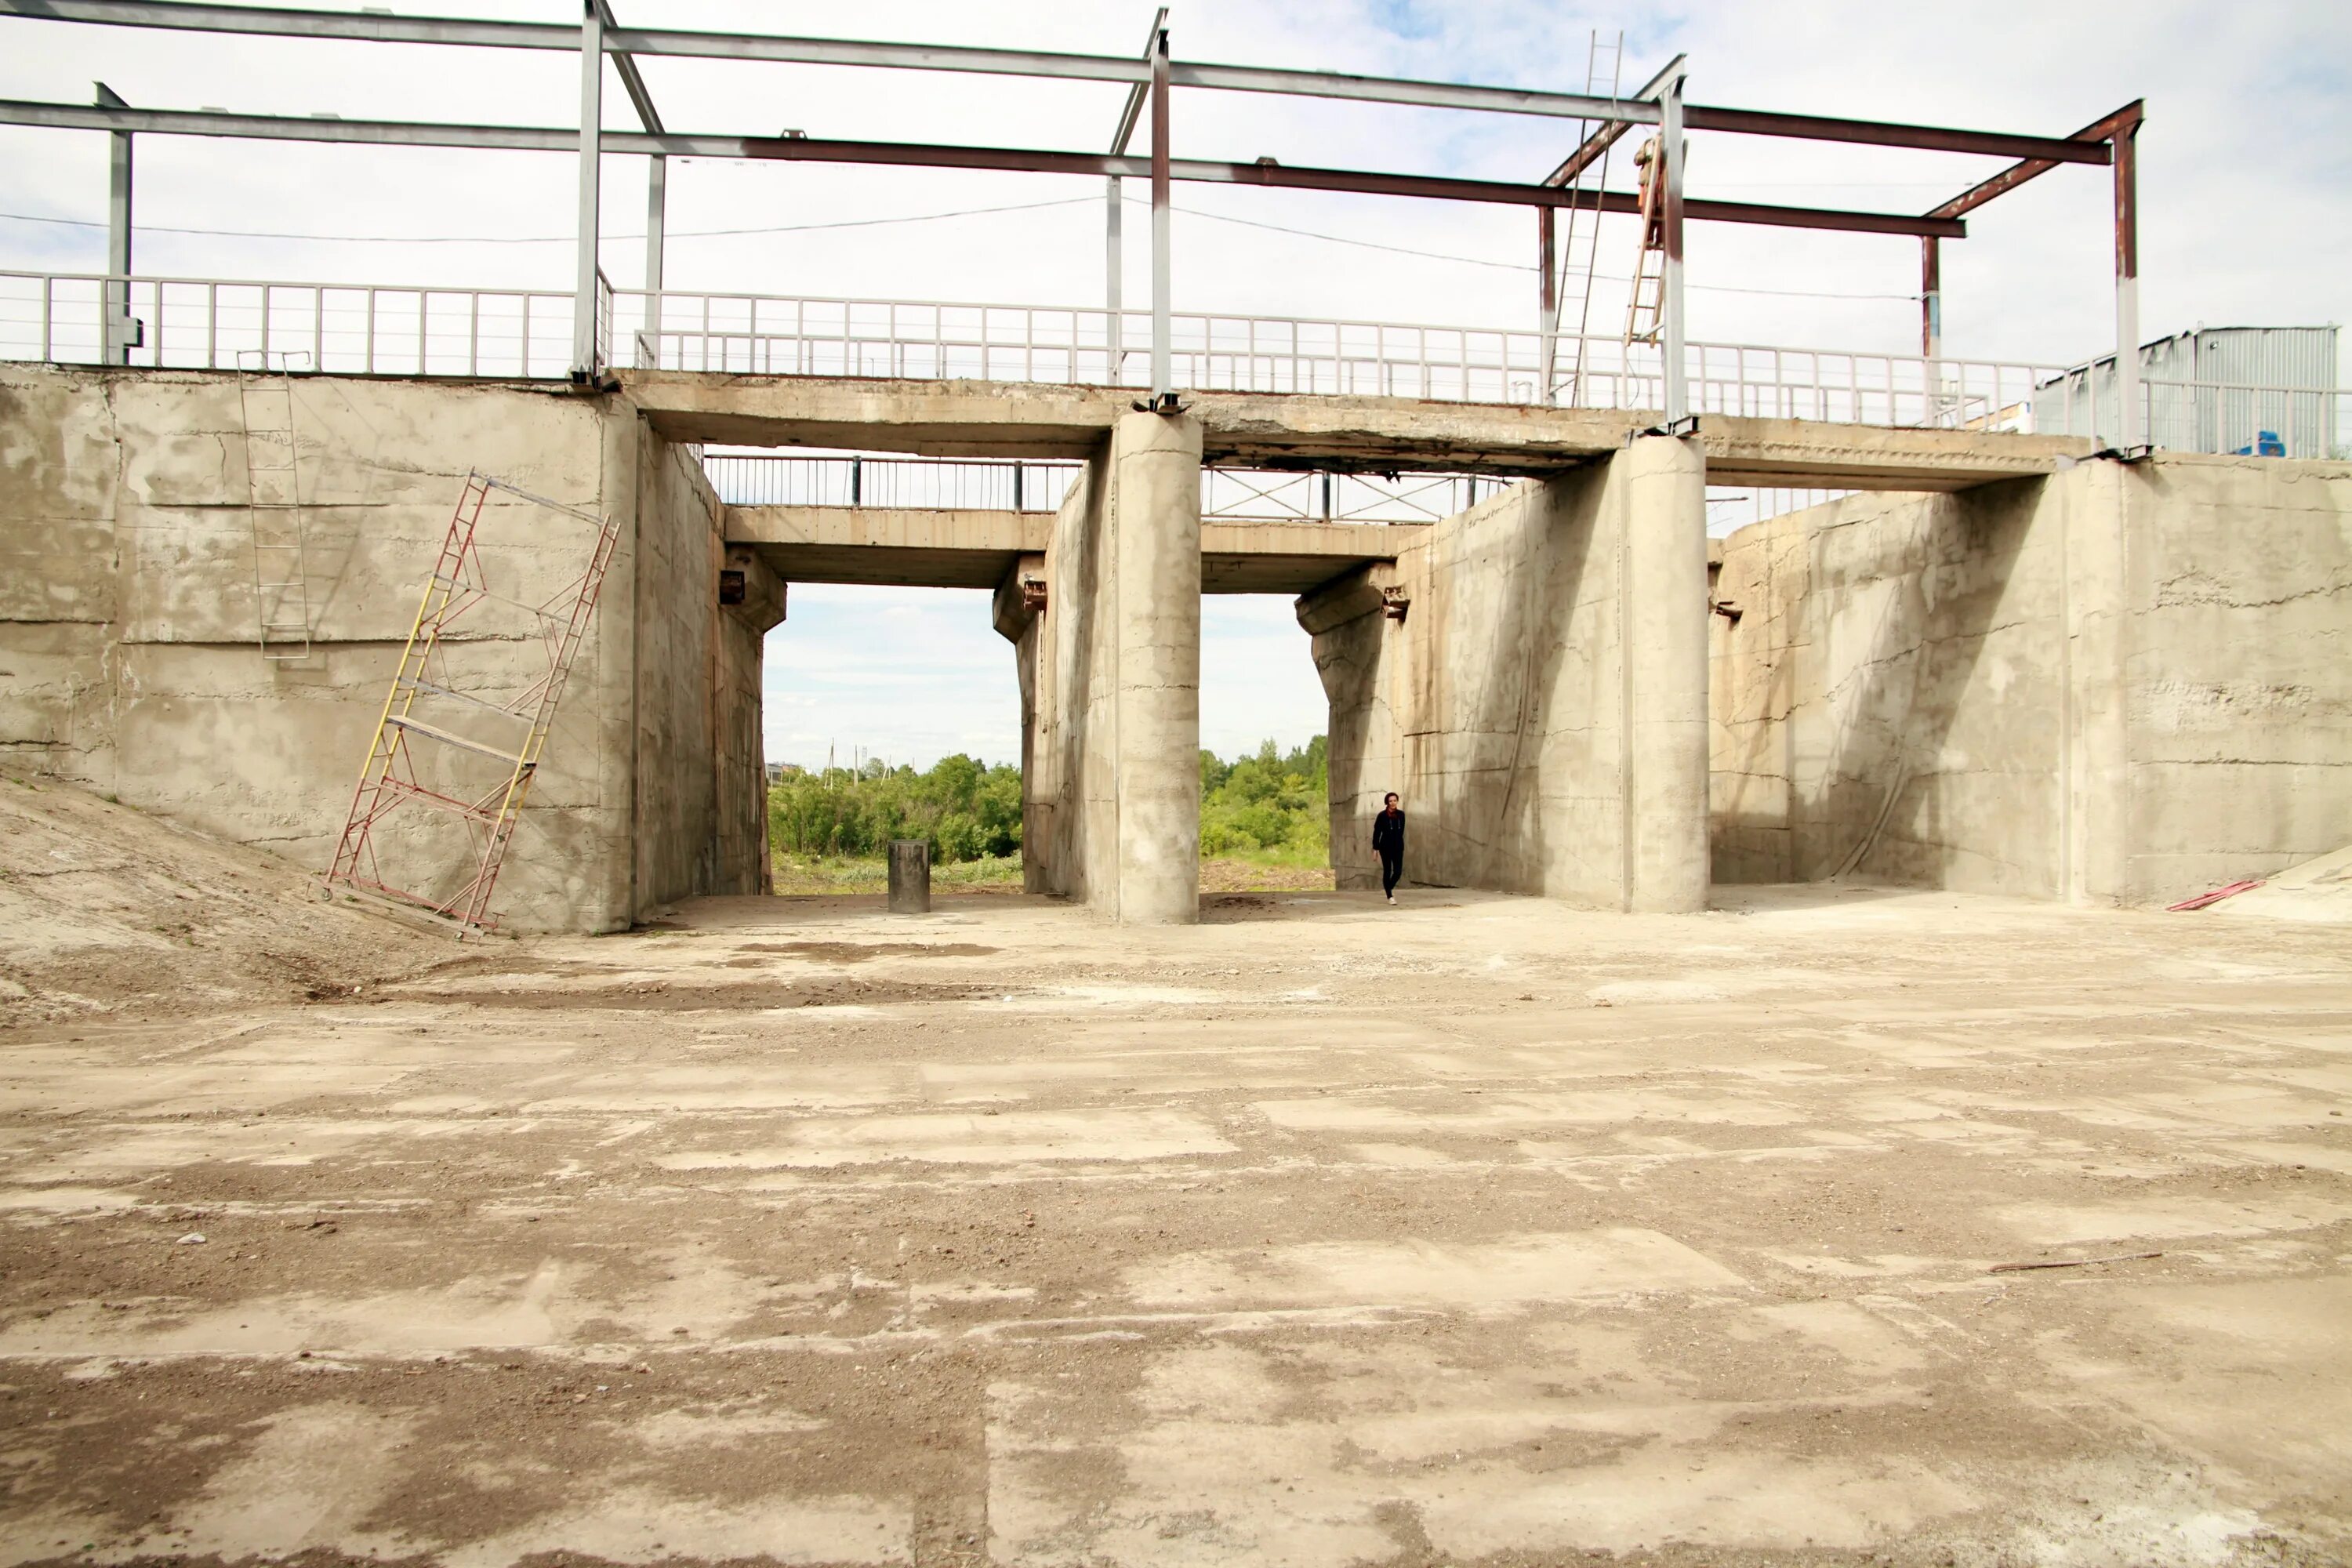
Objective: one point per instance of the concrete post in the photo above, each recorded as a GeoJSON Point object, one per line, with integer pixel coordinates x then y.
{"type": "Point", "coordinates": [1663, 607]}
{"type": "Point", "coordinates": [1155, 497]}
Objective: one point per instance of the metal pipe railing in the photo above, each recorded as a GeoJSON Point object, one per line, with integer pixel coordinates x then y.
{"type": "Point", "coordinates": [1039, 485]}
{"type": "Point", "coordinates": [410, 329]}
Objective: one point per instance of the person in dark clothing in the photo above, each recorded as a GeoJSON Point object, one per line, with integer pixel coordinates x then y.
{"type": "Point", "coordinates": [1388, 841]}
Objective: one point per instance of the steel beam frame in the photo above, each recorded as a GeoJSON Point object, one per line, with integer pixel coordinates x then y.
{"type": "Point", "coordinates": [1163, 339]}
{"type": "Point", "coordinates": [641, 42]}
{"type": "Point", "coordinates": [2113, 135]}
{"type": "Point", "coordinates": [120, 337]}
{"type": "Point", "coordinates": [531, 139]}
{"type": "Point", "coordinates": [1114, 212]}
{"type": "Point", "coordinates": [254, 21]}
{"type": "Point", "coordinates": [584, 364]}
{"type": "Point", "coordinates": [1673, 209]}
{"type": "Point", "coordinates": [641, 98]}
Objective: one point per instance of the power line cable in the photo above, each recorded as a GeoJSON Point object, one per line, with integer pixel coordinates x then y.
{"type": "Point", "coordinates": [548, 239]}
{"type": "Point", "coordinates": [926, 217]}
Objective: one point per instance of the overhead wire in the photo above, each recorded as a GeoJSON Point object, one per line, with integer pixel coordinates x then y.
{"type": "Point", "coordinates": [924, 217]}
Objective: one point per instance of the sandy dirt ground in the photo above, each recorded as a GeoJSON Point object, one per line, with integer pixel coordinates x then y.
{"type": "Point", "coordinates": [1479, 1230]}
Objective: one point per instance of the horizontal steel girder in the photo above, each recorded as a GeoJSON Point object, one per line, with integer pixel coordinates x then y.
{"type": "Point", "coordinates": [535, 138]}
{"type": "Point", "coordinates": [644, 41]}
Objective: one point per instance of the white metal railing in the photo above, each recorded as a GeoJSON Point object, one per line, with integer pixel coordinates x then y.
{"type": "Point", "coordinates": [2206, 415]}
{"type": "Point", "coordinates": [931, 341]}
{"type": "Point", "coordinates": [1039, 485]}
{"type": "Point", "coordinates": [405, 330]}
{"type": "Point", "coordinates": [199, 323]}
{"type": "Point", "coordinates": [928, 483]}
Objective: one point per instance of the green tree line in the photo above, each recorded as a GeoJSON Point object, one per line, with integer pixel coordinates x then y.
{"type": "Point", "coordinates": [967, 810]}
{"type": "Point", "coordinates": [1271, 805]}
{"type": "Point", "coordinates": [1267, 806]}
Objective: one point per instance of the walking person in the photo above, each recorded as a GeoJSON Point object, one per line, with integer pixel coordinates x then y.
{"type": "Point", "coordinates": [1388, 842]}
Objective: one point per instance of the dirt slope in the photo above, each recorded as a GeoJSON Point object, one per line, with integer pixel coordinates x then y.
{"type": "Point", "coordinates": [2318, 889]}
{"type": "Point", "coordinates": [103, 908]}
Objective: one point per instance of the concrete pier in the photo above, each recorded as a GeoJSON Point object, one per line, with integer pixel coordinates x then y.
{"type": "Point", "coordinates": [1661, 484]}
{"type": "Point", "coordinates": [1155, 507]}
{"type": "Point", "coordinates": [1531, 676]}
{"type": "Point", "coordinates": [1108, 638]}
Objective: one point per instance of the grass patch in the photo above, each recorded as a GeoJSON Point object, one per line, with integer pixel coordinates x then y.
{"type": "Point", "coordinates": [803, 874]}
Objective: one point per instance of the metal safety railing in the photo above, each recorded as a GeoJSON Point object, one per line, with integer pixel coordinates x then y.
{"type": "Point", "coordinates": [407, 330]}
{"type": "Point", "coordinates": [202, 323]}
{"type": "Point", "coordinates": [1039, 485]}
{"type": "Point", "coordinates": [931, 341]}
{"type": "Point", "coordinates": [2206, 415]}
{"type": "Point", "coordinates": [924, 483]}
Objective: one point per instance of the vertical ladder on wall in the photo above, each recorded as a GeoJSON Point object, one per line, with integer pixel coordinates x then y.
{"type": "Point", "coordinates": [1597, 78]}
{"type": "Point", "coordinates": [1646, 305]}
{"type": "Point", "coordinates": [418, 755]}
{"type": "Point", "coordinates": [273, 484]}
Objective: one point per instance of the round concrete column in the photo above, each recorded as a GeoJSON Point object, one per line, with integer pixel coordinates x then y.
{"type": "Point", "coordinates": [1155, 500]}
{"type": "Point", "coordinates": [1664, 613]}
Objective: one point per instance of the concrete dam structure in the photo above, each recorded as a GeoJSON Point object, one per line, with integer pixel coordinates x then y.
{"type": "Point", "coordinates": [2006, 666]}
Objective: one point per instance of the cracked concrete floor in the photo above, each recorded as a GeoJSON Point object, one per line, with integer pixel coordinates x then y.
{"type": "Point", "coordinates": [1321, 1234]}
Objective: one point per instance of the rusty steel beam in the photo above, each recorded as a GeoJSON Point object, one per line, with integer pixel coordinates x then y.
{"type": "Point", "coordinates": [2100, 131]}
{"type": "Point", "coordinates": [1040, 161]}
{"type": "Point", "coordinates": [1601, 141]}
{"type": "Point", "coordinates": [1888, 134]}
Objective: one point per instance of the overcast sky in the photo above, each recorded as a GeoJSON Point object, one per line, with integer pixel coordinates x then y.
{"type": "Point", "coordinates": [2245, 191]}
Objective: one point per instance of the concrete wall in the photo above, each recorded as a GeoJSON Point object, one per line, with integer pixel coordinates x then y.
{"type": "Point", "coordinates": [128, 661]}
{"type": "Point", "coordinates": [2123, 684]}
{"type": "Point", "coordinates": [1540, 705]}
{"type": "Point", "coordinates": [1110, 683]}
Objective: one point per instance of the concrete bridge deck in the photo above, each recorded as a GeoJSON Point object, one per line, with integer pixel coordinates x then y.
{"type": "Point", "coordinates": [978, 548]}
{"type": "Point", "coordinates": [1017, 420]}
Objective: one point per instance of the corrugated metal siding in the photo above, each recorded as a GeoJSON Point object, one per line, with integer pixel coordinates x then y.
{"type": "Point", "coordinates": [2188, 413]}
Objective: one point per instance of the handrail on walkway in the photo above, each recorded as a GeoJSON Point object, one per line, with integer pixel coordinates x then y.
{"type": "Point", "coordinates": [525, 334]}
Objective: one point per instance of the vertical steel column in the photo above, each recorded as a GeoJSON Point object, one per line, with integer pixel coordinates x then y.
{"type": "Point", "coordinates": [656, 225]}
{"type": "Point", "coordinates": [1161, 370]}
{"type": "Point", "coordinates": [119, 338]}
{"type": "Point", "coordinates": [2129, 434]}
{"type": "Point", "coordinates": [1547, 304]}
{"type": "Point", "coordinates": [1931, 297]}
{"type": "Point", "coordinates": [592, 126]}
{"type": "Point", "coordinates": [1670, 139]}
{"type": "Point", "coordinates": [1115, 211]}
{"type": "Point", "coordinates": [1113, 267]}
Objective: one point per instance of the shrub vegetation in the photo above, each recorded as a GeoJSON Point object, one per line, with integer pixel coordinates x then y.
{"type": "Point", "coordinates": [1267, 807]}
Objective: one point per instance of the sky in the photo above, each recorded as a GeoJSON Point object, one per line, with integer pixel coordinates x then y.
{"type": "Point", "coordinates": [2246, 198]}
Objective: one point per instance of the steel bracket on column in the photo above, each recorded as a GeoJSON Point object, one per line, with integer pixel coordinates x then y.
{"type": "Point", "coordinates": [2134, 454]}
{"type": "Point", "coordinates": [1678, 428]}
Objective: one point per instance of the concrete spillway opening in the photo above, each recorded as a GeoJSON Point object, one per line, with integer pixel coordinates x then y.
{"type": "Point", "coordinates": [888, 713]}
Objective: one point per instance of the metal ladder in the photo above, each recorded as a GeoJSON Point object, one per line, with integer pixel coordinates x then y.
{"type": "Point", "coordinates": [1597, 79]}
{"type": "Point", "coordinates": [1646, 305]}
{"type": "Point", "coordinates": [273, 480]}
{"type": "Point", "coordinates": [397, 773]}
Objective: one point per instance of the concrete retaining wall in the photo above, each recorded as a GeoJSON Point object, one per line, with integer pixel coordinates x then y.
{"type": "Point", "coordinates": [2123, 684]}
{"type": "Point", "coordinates": [128, 616]}
{"type": "Point", "coordinates": [1540, 705]}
